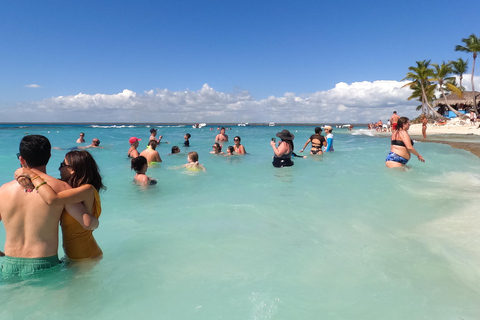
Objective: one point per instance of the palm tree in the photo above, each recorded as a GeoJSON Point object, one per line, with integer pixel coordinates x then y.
{"type": "Point", "coordinates": [419, 76]}
{"type": "Point", "coordinates": [460, 67]}
{"type": "Point", "coordinates": [418, 95]}
{"type": "Point", "coordinates": [472, 44]}
{"type": "Point", "coordinates": [441, 75]}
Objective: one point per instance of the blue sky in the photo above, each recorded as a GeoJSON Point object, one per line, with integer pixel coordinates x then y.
{"type": "Point", "coordinates": [221, 61]}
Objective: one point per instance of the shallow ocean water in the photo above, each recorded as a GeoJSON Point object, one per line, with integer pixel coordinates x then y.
{"type": "Point", "coordinates": [336, 236]}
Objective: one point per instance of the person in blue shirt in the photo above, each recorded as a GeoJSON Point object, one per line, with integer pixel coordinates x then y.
{"type": "Point", "coordinates": [328, 132]}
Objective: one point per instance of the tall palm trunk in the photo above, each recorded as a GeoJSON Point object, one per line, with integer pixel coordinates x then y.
{"type": "Point", "coordinates": [434, 113]}
{"type": "Point", "coordinates": [473, 85]}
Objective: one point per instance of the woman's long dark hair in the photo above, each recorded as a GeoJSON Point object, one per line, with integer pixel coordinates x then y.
{"type": "Point", "coordinates": [290, 142]}
{"type": "Point", "coordinates": [85, 170]}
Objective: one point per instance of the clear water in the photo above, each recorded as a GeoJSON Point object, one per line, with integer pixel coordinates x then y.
{"type": "Point", "coordinates": [338, 236]}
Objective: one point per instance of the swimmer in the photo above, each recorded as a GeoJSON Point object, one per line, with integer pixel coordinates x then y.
{"type": "Point", "coordinates": [193, 162]}
{"type": "Point", "coordinates": [133, 152]}
{"type": "Point", "coordinates": [401, 146]}
{"type": "Point", "coordinates": [81, 138]}
{"type": "Point", "coordinates": [230, 151]}
{"type": "Point", "coordinates": [318, 141]}
{"type": "Point", "coordinates": [150, 153]}
{"type": "Point", "coordinates": [175, 150]}
{"type": "Point", "coordinates": [140, 165]}
{"type": "Point", "coordinates": [217, 148]}
{"type": "Point", "coordinates": [239, 149]}
{"type": "Point", "coordinates": [187, 142]}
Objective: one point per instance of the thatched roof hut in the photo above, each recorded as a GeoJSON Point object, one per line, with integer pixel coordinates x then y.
{"type": "Point", "coordinates": [456, 102]}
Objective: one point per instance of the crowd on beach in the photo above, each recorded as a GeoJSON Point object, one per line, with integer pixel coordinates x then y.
{"type": "Point", "coordinates": [36, 199]}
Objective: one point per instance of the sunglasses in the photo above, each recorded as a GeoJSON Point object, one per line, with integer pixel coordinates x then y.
{"type": "Point", "coordinates": [63, 164]}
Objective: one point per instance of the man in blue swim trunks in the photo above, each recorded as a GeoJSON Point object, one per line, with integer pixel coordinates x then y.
{"type": "Point", "coordinates": [31, 224]}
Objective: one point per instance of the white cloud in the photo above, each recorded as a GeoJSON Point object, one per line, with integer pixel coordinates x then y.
{"type": "Point", "coordinates": [358, 102]}
{"type": "Point", "coordinates": [32, 86]}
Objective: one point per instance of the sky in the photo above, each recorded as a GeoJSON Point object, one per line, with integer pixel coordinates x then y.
{"type": "Point", "coordinates": [221, 61]}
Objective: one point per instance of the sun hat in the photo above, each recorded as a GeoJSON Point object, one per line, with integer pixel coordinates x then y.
{"type": "Point", "coordinates": [133, 140]}
{"type": "Point", "coordinates": [327, 127]}
{"type": "Point", "coordinates": [285, 135]}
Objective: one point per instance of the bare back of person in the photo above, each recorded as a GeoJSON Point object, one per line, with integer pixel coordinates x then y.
{"type": "Point", "coordinates": [31, 224]}
{"type": "Point", "coordinates": [151, 155]}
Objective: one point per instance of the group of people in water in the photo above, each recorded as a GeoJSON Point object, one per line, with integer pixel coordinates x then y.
{"type": "Point", "coordinates": [32, 205]}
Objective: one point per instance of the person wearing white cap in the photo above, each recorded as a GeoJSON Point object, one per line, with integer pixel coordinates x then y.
{"type": "Point", "coordinates": [133, 152]}
{"type": "Point", "coordinates": [328, 132]}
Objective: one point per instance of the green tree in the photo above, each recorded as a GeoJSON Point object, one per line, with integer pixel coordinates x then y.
{"type": "Point", "coordinates": [472, 44]}
{"type": "Point", "coordinates": [419, 76]}
{"type": "Point", "coordinates": [441, 75]}
{"type": "Point", "coordinates": [460, 67]}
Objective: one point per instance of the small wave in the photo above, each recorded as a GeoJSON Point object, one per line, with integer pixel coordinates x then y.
{"type": "Point", "coordinates": [364, 132]}
{"type": "Point", "coordinates": [113, 126]}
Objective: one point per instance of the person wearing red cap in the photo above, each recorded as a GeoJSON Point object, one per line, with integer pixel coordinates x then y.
{"type": "Point", "coordinates": [133, 152]}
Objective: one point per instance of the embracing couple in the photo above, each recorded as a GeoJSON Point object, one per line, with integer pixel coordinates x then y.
{"type": "Point", "coordinates": [32, 205]}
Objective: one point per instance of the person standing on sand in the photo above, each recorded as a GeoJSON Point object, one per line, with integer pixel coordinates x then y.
{"type": "Point", "coordinates": [424, 126]}
{"type": "Point", "coordinates": [394, 119]}
{"type": "Point", "coordinates": [30, 223]}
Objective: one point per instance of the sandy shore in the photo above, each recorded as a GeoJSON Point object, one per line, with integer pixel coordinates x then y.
{"type": "Point", "coordinates": [464, 137]}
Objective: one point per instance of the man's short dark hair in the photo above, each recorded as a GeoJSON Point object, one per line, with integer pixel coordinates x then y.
{"type": "Point", "coordinates": [35, 149]}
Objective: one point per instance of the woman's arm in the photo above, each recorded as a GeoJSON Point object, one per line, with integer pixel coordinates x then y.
{"type": "Point", "coordinates": [408, 144]}
{"type": "Point", "coordinates": [306, 144]}
{"type": "Point", "coordinates": [242, 149]}
{"type": "Point", "coordinates": [281, 150]}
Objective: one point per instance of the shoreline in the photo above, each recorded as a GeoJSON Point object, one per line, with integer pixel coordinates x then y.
{"type": "Point", "coordinates": [443, 134]}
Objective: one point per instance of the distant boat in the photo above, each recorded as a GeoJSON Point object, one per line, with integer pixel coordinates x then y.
{"type": "Point", "coordinates": [244, 124]}
{"type": "Point", "coordinates": [271, 124]}
{"type": "Point", "coordinates": [198, 125]}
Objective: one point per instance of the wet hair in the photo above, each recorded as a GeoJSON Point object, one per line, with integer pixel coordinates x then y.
{"type": "Point", "coordinates": [35, 150]}
{"type": "Point", "coordinates": [175, 149]}
{"type": "Point", "coordinates": [82, 134]}
{"type": "Point", "coordinates": [318, 130]}
{"type": "Point", "coordinates": [237, 137]}
{"type": "Point", "coordinates": [193, 156]}
{"type": "Point", "coordinates": [231, 149]}
{"type": "Point", "coordinates": [222, 128]}
{"type": "Point", "coordinates": [188, 135]}
{"type": "Point", "coordinates": [153, 144]}
{"type": "Point", "coordinates": [138, 163]}
{"type": "Point", "coordinates": [85, 170]}
{"type": "Point", "coordinates": [395, 112]}
{"type": "Point", "coordinates": [153, 130]}
{"type": "Point", "coordinates": [402, 121]}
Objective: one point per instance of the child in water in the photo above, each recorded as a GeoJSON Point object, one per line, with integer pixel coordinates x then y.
{"type": "Point", "coordinates": [140, 165]}
{"type": "Point", "coordinates": [193, 162]}
{"type": "Point", "coordinates": [230, 151]}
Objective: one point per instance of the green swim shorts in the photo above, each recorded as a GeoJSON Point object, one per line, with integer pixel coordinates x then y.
{"type": "Point", "coordinates": [25, 267]}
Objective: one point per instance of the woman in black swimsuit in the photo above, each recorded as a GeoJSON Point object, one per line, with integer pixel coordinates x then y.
{"type": "Point", "coordinates": [401, 146]}
{"type": "Point", "coordinates": [317, 141]}
{"type": "Point", "coordinates": [283, 153]}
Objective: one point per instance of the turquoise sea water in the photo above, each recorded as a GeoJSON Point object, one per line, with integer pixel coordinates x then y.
{"type": "Point", "coordinates": [336, 236]}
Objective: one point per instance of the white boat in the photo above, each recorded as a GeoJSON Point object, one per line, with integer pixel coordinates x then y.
{"type": "Point", "coordinates": [198, 125]}
{"type": "Point", "coordinates": [271, 124]}
{"type": "Point", "coordinates": [243, 124]}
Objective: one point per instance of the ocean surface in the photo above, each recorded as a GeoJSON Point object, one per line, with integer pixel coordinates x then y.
{"type": "Point", "coordinates": [336, 236]}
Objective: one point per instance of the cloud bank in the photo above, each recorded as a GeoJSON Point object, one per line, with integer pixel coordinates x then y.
{"type": "Point", "coordinates": [358, 102]}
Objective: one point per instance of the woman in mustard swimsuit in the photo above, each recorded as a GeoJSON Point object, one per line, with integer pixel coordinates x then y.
{"type": "Point", "coordinates": [401, 146]}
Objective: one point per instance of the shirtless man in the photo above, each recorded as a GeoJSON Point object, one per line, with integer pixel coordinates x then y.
{"type": "Point", "coordinates": [394, 119]}
{"type": "Point", "coordinates": [81, 138]}
{"type": "Point", "coordinates": [150, 153]}
{"type": "Point", "coordinates": [31, 225]}
{"type": "Point", "coordinates": [133, 152]}
{"type": "Point", "coordinates": [95, 144]}
{"type": "Point", "coordinates": [221, 137]}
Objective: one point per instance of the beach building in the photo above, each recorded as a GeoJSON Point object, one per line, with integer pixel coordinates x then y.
{"type": "Point", "coordinates": [463, 105]}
